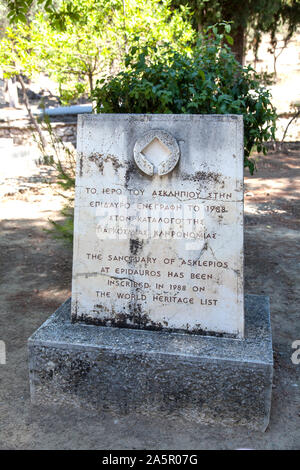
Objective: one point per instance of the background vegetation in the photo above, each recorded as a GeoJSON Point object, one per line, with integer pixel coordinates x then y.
{"type": "Point", "coordinates": [74, 49]}
{"type": "Point", "coordinates": [146, 56]}
{"type": "Point", "coordinates": [207, 80]}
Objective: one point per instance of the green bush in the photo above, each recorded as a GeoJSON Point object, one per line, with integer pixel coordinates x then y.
{"type": "Point", "coordinates": [208, 80]}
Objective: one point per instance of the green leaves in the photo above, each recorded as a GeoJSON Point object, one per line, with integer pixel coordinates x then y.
{"type": "Point", "coordinates": [17, 10]}
{"type": "Point", "coordinates": [229, 39]}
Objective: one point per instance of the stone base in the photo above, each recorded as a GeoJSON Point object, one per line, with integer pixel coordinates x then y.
{"type": "Point", "coordinates": [200, 378]}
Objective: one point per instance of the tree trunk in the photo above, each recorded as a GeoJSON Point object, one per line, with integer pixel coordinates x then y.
{"type": "Point", "coordinates": [31, 116]}
{"type": "Point", "coordinates": [91, 82]}
{"type": "Point", "coordinates": [238, 47]}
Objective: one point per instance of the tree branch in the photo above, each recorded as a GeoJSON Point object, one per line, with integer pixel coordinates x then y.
{"type": "Point", "coordinates": [31, 116]}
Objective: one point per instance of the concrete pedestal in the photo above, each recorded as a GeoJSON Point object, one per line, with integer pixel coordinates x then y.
{"type": "Point", "coordinates": [200, 378]}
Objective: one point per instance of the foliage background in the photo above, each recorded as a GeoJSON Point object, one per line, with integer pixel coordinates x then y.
{"type": "Point", "coordinates": [206, 80]}
{"type": "Point", "coordinates": [149, 56]}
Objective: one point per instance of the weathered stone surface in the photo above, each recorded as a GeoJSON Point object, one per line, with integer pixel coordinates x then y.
{"type": "Point", "coordinates": [200, 378]}
{"type": "Point", "coordinates": [158, 240]}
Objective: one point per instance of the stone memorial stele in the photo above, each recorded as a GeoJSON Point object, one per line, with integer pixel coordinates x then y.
{"type": "Point", "coordinates": [158, 321]}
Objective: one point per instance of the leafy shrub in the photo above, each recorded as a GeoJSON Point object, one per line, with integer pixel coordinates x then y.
{"type": "Point", "coordinates": [208, 80]}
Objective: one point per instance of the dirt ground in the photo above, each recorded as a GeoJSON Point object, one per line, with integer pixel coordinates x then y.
{"type": "Point", "coordinates": [35, 273]}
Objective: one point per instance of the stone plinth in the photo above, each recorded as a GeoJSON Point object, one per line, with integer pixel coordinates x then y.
{"type": "Point", "coordinates": [200, 378]}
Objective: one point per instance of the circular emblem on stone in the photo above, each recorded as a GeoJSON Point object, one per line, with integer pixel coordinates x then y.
{"type": "Point", "coordinates": [156, 152]}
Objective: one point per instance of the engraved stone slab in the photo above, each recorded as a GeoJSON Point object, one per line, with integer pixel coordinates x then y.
{"type": "Point", "coordinates": [158, 239]}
